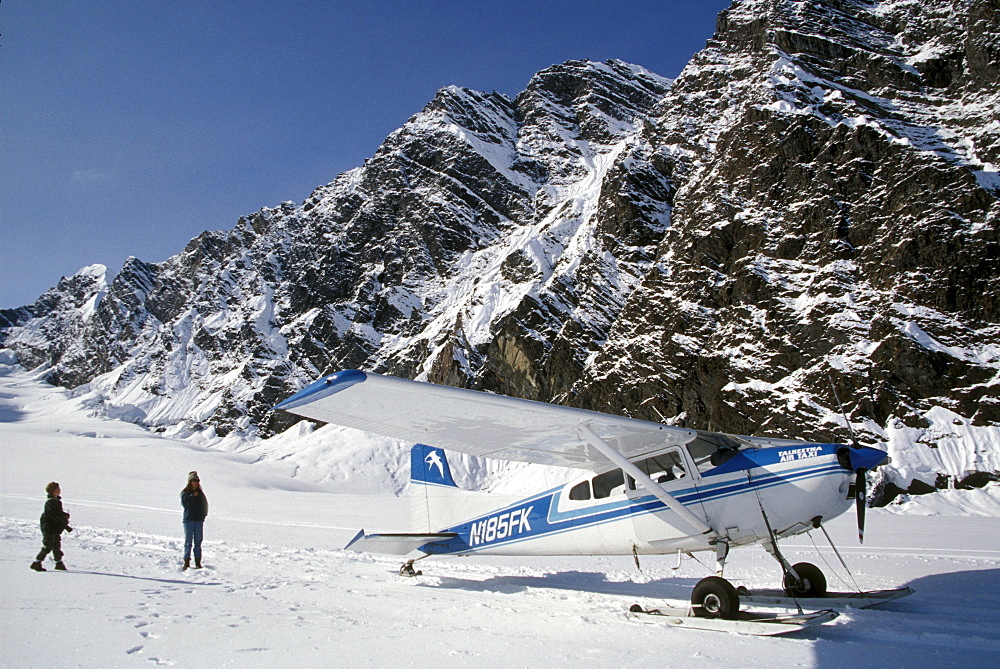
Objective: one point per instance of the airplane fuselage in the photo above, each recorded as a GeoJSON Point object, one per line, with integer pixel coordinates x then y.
{"type": "Point", "coordinates": [784, 487]}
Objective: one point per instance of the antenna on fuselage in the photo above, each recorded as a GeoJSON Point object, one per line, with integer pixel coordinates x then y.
{"type": "Point", "coordinates": [653, 407]}
{"type": "Point", "coordinates": [836, 397]}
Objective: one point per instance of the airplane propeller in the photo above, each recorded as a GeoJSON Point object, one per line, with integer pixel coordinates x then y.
{"type": "Point", "coordinates": [861, 500]}
{"type": "Point", "coordinates": [859, 459]}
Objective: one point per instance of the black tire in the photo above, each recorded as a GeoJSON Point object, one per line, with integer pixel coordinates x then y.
{"type": "Point", "coordinates": [715, 597]}
{"type": "Point", "coordinates": [813, 583]}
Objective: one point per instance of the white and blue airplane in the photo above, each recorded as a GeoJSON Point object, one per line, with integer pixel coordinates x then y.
{"type": "Point", "coordinates": [648, 488]}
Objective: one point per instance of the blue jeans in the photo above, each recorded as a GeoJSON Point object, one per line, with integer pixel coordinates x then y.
{"type": "Point", "coordinates": [193, 534]}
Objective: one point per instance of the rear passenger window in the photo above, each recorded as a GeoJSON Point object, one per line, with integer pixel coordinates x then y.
{"type": "Point", "coordinates": [580, 491]}
{"type": "Point", "coordinates": [606, 483]}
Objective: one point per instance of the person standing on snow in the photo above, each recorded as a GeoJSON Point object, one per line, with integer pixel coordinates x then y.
{"type": "Point", "coordinates": [195, 510]}
{"type": "Point", "coordinates": [54, 522]}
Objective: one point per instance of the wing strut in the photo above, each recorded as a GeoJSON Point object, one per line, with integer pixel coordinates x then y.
{"type": "Point", "coordinates": [642, 478]}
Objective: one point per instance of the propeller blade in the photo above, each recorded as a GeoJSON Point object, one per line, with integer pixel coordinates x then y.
{"type": "Point", "coordinates": [861, 500]}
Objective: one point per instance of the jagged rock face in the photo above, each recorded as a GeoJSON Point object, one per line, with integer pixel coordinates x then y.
{"type": "Point", "coordinates": [811, 206]}
{"type": "Point", "coordinates": [56, 335]}
{"type": "Point", "coordinates": [839, 218]}
{"type": "Point", "coordinates": [465, 251]}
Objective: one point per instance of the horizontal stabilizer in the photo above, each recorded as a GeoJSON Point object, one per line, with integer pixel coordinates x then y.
{"type": "Point", "coordinates": [394, 544]}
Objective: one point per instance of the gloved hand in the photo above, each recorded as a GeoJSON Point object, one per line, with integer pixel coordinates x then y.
{"type": "Point", "coordinates": [69, 529]}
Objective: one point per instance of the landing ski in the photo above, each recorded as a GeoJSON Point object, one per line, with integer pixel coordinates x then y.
{"type": "Point", "coordinates": [833, 600]}
{"type": "Point", "coordinates": [754, 623]}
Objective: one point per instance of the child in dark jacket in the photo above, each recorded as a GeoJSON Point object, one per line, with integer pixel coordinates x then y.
{"type": "Point", "coordinates": [54, 522]}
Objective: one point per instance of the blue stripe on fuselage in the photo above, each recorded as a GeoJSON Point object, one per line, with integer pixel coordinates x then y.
{"type": "Point", "coordinates": [763, 480]}
{"type": "Point", "coordinates": [539, 515]}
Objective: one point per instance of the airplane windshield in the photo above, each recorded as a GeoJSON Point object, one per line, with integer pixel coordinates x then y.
{"type": "Point", "coordinates": [710, 450]}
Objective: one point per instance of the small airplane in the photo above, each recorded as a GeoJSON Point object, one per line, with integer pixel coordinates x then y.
{"type": "Point", "coordinates": [648, 488]}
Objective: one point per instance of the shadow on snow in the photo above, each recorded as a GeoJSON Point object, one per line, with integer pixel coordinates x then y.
{"type": "Point", "coordinates": [172, 581]}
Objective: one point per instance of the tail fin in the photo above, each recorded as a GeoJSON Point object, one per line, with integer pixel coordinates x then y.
{"type": "Point", "coordinates": [429, 466]}
{"type": "Point", "coordinates": [432, 489]}
{"type": "Point", "coordinates": [436, 501]}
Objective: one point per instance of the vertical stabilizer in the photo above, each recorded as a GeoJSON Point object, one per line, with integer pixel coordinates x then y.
{"type": "Point", "coordinates": [429, 466]}
{"type": "Point", "coordinates": [432, 491]}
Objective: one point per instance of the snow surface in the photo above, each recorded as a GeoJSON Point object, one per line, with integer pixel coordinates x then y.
{"type": "Point", "coordinates": [278, 590]}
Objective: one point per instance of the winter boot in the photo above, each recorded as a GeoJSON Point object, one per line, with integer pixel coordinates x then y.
{"type": "Point", "coordinates": [37, 566]}
{"type": "Point", "coordinates": [60, 566]}
{"type": "Point", "coordinates": [187, 564]}
{"type": "Point", "coordinates": [197, 563]}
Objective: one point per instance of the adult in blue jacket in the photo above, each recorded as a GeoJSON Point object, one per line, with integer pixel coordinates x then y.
{"type": "Point", "coordinates": [195, 511]}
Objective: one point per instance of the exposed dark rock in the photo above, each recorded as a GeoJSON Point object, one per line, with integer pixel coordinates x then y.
{"type": "Point", "coordinates": [809, 213]}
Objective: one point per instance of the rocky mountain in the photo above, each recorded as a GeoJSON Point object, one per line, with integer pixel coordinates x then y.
{"type": "Point", "coordinates": [806, 218]}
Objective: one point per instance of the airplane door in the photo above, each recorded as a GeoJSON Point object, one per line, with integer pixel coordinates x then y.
{"type": "Point", "coordinates": [610, 494]}
{"type": "Point", "coordinates": [659, 529]}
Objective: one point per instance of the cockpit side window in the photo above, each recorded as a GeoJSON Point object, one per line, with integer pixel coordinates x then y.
{"type": "Point", "coordinates": [661, 468]}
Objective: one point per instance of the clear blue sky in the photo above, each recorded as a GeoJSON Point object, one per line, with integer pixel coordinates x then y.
{"type": "Point", "coordinates": [129, 126]}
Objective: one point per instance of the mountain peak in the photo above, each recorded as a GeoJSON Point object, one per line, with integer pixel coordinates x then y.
{"type": "Point", "coordinates": [809, 210]}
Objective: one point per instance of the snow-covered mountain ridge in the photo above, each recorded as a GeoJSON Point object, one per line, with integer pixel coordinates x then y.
{"type": "Point", "coordinates": [812, 206]}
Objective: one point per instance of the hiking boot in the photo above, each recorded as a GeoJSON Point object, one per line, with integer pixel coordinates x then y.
{"type": "Point", "coordinates": [197, 563]}
{"type": "Point", "coordinates": [60, 566]}
{"type": "Point", "coordinates": [37, 566]}
{"type": "Point", "coordinates": [187, 564]}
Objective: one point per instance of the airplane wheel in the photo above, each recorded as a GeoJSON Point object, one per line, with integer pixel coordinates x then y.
{"type": "Point", "coordinates": [813, 582]}
{"type": "Point", "coordinates": [715, 597]}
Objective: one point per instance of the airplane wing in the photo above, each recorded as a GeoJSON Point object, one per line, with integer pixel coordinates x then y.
{"type": "Point", "coordinates": [477, 423]}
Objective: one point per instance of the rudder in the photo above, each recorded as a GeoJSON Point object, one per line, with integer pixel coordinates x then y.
{"type": "Point", "coordinates": [432, 489]}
